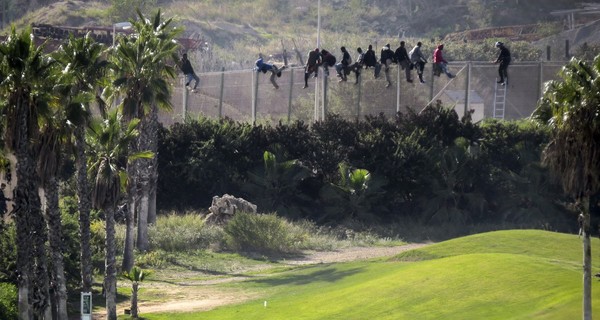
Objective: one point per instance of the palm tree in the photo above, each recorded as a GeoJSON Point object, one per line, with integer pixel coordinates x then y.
{"type": "Point", "coordinates": [108, 157]}
{"type": "Point", "coordinates": [135, 275]}
{"type": "Point", "coordinates": [571, 107]}
{"type": "Point", "coordinates": [142, 73]}
{"type": "Point", "coordinates": [24, 71]}
{"type": "Point", "coordinates": [83, 72]}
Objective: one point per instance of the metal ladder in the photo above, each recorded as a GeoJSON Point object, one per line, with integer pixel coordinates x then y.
{"type": "Point", "coordinates": [499, 101]}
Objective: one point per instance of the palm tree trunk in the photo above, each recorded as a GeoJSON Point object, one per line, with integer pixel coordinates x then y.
{"type": "Point", "coordinates": [146, 174]}
{"type": "Point", "coordinates": [587, 262]}
{"type": "Point", "coordinates": [128, 255]}
{"type": "Point", "coordinates": [53, 220]}
{"type": "Point", "coordinates": [110, 272]}
{"type": "Point", "coordinates": [134, 300]}
{"type": "Point", "coordinates": [31, 231]}
{"type": "Point", "coordinates": [85, 205]}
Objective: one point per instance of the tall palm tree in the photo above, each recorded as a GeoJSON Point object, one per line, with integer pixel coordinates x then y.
{"type": "Point", "coordinates": [571, 107]}
{"type": "Point", "coordinates": [24, 71]}
{"type": "Point", "coordinates": [83, 73]}
{"type": "Point", "coordinates": [108, 158]}
{"type": "Point", "coordinates": [47, 168]}
{"type": "Point", "coordinates": [142, 72]}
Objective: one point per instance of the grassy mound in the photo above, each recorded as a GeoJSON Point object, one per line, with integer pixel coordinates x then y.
{"type": "Point", "coordinates": [522, 274]}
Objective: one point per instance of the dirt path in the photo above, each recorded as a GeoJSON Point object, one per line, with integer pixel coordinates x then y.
{"type": "Point", "coordinates": [203, 295]}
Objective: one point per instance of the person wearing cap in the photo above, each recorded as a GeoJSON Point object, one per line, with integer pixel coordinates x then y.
{"type": "Point", "coordinates": [403, 60]}
{"type": "Point", "coordinates": [312, 65]}
{"type": "Point", "coordinates": [386, 58]}
{"type": "Point", "coordinates": [504, 61]}
{"type": "Point", "coordinates": [418, 60]}
{"type": "Point", "coordinates": [263, 67]}
{"type": "Point", "coordinates": [186, 67]}
{"type": "Point", "coordinates": [441, 63]}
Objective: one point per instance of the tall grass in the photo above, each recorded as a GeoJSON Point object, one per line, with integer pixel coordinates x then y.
{"type": "Point", "coordinates": [183, 233]}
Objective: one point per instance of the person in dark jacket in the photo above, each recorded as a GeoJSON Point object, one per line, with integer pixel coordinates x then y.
{"type": "Point", "coordinates": [312, 65]}
{"type": "Point", "coordinates": [386, 58]}
{"type": "Point", "coordinates": [328, 61]}
{"type": "Point", "coordinates": [186, 67]}
{"type": "Point", "coordinates": [403, 60]}
{"type": "Point", "coordinates": [264, 67]}
{"type": "Point", "coordinates": [371, 61]}
{"type": "Point", "coordinates": [504, 61]}
{"type": "Point", "coordinates": [342, 67]}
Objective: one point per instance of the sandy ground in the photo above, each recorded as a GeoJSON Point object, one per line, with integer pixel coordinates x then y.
{"type": "Point", "coordinates": [203, 295]}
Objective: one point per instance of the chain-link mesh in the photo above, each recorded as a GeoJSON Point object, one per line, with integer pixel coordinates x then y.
{"type": "Point", "coordinates": [248, 95]}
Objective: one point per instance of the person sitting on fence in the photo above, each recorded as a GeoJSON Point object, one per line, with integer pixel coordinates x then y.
{"type": "Point", "coordinates": [403, 60]}
{"type": "Point", "coordinates": [358, 64]}
{"type": "Point", "coordinates": [371, 61]}
{"type": "Point", "coordinates": [312, 65]}
{"type": "Point", "coordinates": [386, 58]}
{"type": "Point", "coordinates": [186, 67]}
{"type": "Point", "coordinates": [263, 67]}
{"type": "Point", "coordinates": [328, 61]}
{"type": "Point", "coordinates": [342, 67]}
{"type": "Point", "coordinates": [418, 60]}
{"type": "Point", "coordinates": [439, 63]}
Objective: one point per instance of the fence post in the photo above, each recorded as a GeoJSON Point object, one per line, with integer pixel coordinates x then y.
{"type": "Point", "coordinates": [254, 95]}
{"type": "Point", "coordinates": [468, 90]}
{"type": "Point", "coordinates": [317, 105]}
{"type": "Point", "coordinates": [290, 95]}
{"type": "Point", "coordinates": [325, 84]}
{"type": "Point", "coordinates": [221, 92]}
{"type": "Point", "coordinates": [431, 86]}
{"type": "Point", "coordinates": [398, 89]}
{"type": "Point", "coordinates": [359, 80]}
{"type": "Point", "coordinates": [541, 83]}
{"type": "Point", "coordinates": [185, 102]}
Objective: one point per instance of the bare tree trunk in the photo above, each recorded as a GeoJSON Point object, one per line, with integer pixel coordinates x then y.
{"type": "Point", "coordinates": [53, 219]}
{"type": "Point", "coordinates": [110, 273]}
{"type": "Point", "coordinates": [587, 262]}
{"type": "Point", "coordinates": [128, 255]}
{"type": "Point", "coordinates": [85, 205]}
{"type": "Point", "coordinates": [152, 200]}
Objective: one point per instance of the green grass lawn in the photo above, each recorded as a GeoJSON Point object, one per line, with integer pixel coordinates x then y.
{"type": "Point", "coordinates": [520, 274]}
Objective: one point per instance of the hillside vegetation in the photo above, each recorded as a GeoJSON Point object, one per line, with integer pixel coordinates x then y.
{"type": "Point", "coordinates": [237, 30]}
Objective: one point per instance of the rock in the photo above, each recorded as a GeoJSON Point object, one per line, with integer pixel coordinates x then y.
{"type": "Point", "coordinates": [224, 208]}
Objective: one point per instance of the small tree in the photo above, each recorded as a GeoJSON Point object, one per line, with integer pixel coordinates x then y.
{"type": "Point", "coordinates": [135, 275]}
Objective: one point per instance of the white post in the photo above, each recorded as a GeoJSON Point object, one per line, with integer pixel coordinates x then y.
{"type": "Point", "coordinates": [316, 117]}
{"type": "Point", "coordinates": [86, 306]}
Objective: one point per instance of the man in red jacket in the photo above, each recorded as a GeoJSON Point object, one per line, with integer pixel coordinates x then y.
{"type": "Point", "coordinates": [440, 63]}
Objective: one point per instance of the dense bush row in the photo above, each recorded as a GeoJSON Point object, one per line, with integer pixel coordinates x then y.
{"type": "Point", "coordinates": [428, 168]}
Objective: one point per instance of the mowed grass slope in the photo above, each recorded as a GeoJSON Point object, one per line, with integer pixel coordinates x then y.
{"type": "Point", "coordinates": [520, 274]}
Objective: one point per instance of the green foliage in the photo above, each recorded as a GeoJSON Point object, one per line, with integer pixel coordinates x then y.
{"type": "Point", "coordinates": [8, 258]}
{"type": "Point", "coordinates": [183, 233]}
{"type": "Point", "coordinates": [262, 233]}
{"type": "Point", "coordinates": [206, 155]}
{"type": "Point", "coordinates": [276, 186]}
{"type": "Point", "coordinates": [8, 301]}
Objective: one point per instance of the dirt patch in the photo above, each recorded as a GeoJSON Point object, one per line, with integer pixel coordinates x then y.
{"type": "Point", "coordinates": [202, 295]}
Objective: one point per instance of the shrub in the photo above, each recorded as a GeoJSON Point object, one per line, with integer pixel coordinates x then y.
{"type": "Point", "coordinates": [8, 301]}
{"type": "Point", "coordinates": [183, 233]}
{"type": "Point", "coordinates": [263, 233]}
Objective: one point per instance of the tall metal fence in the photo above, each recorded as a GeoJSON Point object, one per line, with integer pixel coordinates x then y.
{"type": "Point", "coordinates": [247, 95]}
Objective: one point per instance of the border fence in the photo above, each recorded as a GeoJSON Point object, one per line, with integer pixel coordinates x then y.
{"type": "Point", "coordinates": [247, 95]}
